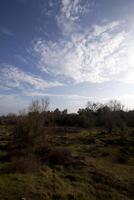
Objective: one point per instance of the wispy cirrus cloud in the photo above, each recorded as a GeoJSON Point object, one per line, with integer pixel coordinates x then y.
{"type": "Point", "coordinates": [70, 13]}
{"type": "Point", "coordinates": [13, 77]}
{"type": "Point", "coordinates": [5, 31]}
{"type": "Point", "coordinates": [21, 59]}
{"type": "Point", "coordinates": [63, 96]}
{"type": "Point", "coordinates": [73, 9]}
{"type": "Point", "coordinates": [99, 54]}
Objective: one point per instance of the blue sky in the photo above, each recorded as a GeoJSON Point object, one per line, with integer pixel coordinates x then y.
{"type": "Point", "coordinates": [71, 51]}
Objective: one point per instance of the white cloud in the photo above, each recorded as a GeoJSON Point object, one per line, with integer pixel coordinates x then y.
{"type": "Point", "coordinates": [67, 27]}
{"type": "Point", "coordinates": [98, 30]}
{"type": "Point", "coordinates": [12, 77]}
{"type": "Point", "coordinates": [73, 9]}
{"type": "Point", "coordinates": [99, 54]}
{"type": "Point", "coordinates": [70, 13]}
{"type": "Point", "coordinates": [64, 96]}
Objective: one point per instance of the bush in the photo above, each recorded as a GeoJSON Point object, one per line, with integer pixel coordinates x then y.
{"type": "Point", "coordinates": [122, 156]}
{"type": "Point", "coordinates": [24, 164]}
{"type": "Point", "coordinates": [60, 156]}
{"type": "Point", "coordinates": [42, 151]}
{"type": "Point", "coordinates": [56, 156]}
{"type": "Point", "coordinates": [22, 133]}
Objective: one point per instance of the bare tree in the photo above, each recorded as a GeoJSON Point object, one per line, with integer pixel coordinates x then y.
{"type": "Point", "coordinates": [93, 106]}
{"type": "Point", "coordinates": [45, 104]}
{"type": "Point", "coordinates": [34, 106]}
{"type": "Point", "coordinates": [115, 105]}
{"type": "Point", "coordinates": [39, 105]}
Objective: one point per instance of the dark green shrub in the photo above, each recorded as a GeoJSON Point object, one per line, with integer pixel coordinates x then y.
{"type": "Point", "coordinates": [56, 156]}
{"type": "Point", "coordinates": [24, 164]}
{"type": "Point", "coordinates": [122, 156]}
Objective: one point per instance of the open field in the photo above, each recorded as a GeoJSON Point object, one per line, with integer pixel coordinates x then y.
{"type": "Point", "coordinates": [87, 165]}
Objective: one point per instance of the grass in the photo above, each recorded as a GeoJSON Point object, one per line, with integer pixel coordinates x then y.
{"type": "Point", "coordinates": [94, 173]}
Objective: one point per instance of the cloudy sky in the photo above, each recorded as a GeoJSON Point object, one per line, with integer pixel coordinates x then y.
{"type": "Point", "coordinates": [71, 51]}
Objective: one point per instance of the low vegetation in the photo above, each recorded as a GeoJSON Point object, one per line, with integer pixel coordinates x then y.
{"type": "Point", "coordinates": [53, 155]}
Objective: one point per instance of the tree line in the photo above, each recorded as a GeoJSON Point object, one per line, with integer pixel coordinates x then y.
{"type": "Point", "coordinates": [109, 116]}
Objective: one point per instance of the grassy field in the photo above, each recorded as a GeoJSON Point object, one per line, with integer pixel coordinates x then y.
{"type": "Point", "coordinates": [93, 166]}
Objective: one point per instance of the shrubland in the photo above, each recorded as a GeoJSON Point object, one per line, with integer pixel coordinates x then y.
{"type": "Point", "coordinates": [88, 155]}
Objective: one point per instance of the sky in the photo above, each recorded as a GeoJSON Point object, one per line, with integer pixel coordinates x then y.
{"type": "Point", "coordinates": [70, 51]}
